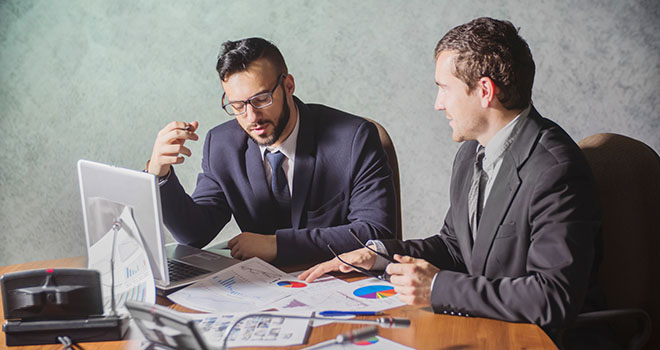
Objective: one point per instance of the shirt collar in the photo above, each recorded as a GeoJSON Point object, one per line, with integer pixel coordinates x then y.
{"type": "Point", "coordinates": [503, 139]}
{"type": "Point", "coordinates": [288, 146]}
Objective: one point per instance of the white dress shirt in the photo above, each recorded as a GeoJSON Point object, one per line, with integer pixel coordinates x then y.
{"type": "Point", "coordinates": [494, 152]}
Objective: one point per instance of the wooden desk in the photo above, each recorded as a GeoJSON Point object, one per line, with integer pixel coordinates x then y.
{"type": "Point", "coordinates": [428, 330]}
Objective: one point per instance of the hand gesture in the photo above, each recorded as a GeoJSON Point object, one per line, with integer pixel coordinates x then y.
{"type": "Point", "coordinates": [169, 146]}
{"type": "Point", "coordinates": [412, 279]}
{"type": "Point", "coordinates": [362, 257]}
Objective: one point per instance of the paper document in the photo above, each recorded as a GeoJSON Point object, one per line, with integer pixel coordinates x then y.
{"type": "Point", "coordinates": [250, 285]}
{"type": "Point", "coordinates": [333, 294]}
{"type": "Point", "coordinates": [256, 331]}
{"type": "Point", "coordinates": [134, 279]}
{"type": "Point", "coordinates": [374, 343]}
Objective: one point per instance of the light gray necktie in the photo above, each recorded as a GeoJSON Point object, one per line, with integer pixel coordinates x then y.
{"type": "Point", "coordinates": [474, 210]}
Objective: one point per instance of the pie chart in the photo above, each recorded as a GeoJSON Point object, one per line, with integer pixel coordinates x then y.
{"type": "Point", "coordinates": [291, 284]}
{"type": "Point", "coordinates": [372, 340]}
{"type": "Point", "coordinates": [374, 292]}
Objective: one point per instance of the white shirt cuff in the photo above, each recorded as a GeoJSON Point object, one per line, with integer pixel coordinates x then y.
{"type": "Point", "coordinates": [380, 263]}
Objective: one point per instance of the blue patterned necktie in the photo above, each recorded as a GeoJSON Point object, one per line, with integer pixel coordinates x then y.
{"type": "Point", "coordinates": [474, 211]}
{"type": "Point", "coordinates": [279, 187]}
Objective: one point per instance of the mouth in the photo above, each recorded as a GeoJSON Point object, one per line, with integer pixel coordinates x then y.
{"type": "Point", "coordinates": [259, 129]}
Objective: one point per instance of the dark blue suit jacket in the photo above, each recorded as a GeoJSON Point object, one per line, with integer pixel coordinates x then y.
{"type": "Point", "coordinates": [341, 180]}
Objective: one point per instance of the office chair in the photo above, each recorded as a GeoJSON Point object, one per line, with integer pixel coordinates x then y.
{"type": "Point", "coordinates": [393, 162]}
{"type": "Point", "coordinates": [627, 174]}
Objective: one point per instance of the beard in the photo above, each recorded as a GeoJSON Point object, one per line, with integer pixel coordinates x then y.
{"type": "Point", "coordinates": [279, 126]}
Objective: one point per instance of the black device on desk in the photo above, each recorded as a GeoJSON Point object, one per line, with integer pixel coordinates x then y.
{"type": "Point", "coordinates": [42, 305]}
{"type": "Point", "coordinates": [165, 328]}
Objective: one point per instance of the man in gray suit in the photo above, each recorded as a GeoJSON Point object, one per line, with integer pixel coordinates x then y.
{"type": "Point", "coordinates": [519, 240]}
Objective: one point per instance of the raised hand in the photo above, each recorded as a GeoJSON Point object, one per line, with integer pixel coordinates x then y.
{"type": "Point", "coordinates": [169, 146]}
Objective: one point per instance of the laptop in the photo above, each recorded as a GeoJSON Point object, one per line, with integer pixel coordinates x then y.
{"type": "Point", "coordinates": [105, 189]}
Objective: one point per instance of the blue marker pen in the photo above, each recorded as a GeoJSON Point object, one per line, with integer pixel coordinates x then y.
{"type": "Point", "coordinates": [350, 313]}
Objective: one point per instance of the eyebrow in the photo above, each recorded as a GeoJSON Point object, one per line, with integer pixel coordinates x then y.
{"type": "Point", "coordinates": [258, 93]}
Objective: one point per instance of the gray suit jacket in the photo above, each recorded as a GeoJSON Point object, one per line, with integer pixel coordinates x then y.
{"type": "Point", "coordinates": [533, 257]}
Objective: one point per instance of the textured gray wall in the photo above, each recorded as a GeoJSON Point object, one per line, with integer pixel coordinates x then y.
{"type": "Point", "coordinates": [98, 79]}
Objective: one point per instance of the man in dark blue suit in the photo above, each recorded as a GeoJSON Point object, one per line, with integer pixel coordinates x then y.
{"type": "Point", "coordinates": [295, 176]}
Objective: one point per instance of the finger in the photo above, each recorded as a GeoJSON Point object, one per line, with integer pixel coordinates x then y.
{"type": "Point", "coordinates": [232, 242]}
{"type": "Point", "coordinates": [306, 273]}
{"type": "Point", "coordinates": [404, 259]}
{"type": "Point", "coordinates": [397, 269]}
{"type": "Point", "coordinates": [319, 270]}
{"type": "Point", "coordinates": [400, 280]}
{"type": "Point", "coordinates": [236, 253]}
{"type": "Point", "coordinates": [311, 274]}
{"type": "Point", "coordinates": [404, 290]}
{"type": "Point", "coordinates": [175, 150]}
{"type": "Point", "coordinates": [178, 135]}
{"type": "Point", "coordinates": [172, 126]}
{"type": "Point", "coordinates": [170, 159]}
{"type": "Point", "coordinates": [406, 299]}
{"type": "Point", "coordinates": [193, 126]}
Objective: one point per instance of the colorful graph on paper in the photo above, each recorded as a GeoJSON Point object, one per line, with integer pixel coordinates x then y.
{"type": "Point", "coordinates": [291, 284]}
{"type": "Point", "coordinates": [375, 292]}
{"type": "Point", "coordinates": [372, 340]}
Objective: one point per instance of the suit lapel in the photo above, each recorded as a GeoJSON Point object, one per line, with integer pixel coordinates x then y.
{"type": "Point", "coordinates": [504, 189]}
{"type": "Point", "coordinates": [304, 163]}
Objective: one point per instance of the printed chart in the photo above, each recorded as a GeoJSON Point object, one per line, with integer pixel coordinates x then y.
{"type": "Point", "coordinates": [291, 284]}
{"type": "Point", "coordinates": [375, 343]}
{"type": "Point", "coordinates": [372, 340]}
{"type": "Point", "coordinates": [375, 292]}
{"type": "Point", "coordinates": [251, 285]}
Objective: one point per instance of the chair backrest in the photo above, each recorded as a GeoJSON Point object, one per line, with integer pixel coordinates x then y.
{"type": "Point", "coordinates": [627, 174]}
{"type": "Point", "coordinates": [392, 160]}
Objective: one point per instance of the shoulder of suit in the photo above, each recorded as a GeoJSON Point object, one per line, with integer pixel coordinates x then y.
{"type": "Point", "coordinates": [327, 115]}
{"type": "Point", "coordinates": [229, 132]}
{"type": "Point", "coordinates": [555, 144]}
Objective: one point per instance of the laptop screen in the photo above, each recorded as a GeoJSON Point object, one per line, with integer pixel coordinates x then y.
{"type": "Point", "coordinates": [106, 190]}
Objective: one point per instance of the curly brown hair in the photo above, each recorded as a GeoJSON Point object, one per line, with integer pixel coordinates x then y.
{"type": "Point", "coordinates": [492, 48]}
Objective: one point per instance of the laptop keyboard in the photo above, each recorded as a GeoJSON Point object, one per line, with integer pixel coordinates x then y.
{"type": "Point", "coordinates": [179, 271]}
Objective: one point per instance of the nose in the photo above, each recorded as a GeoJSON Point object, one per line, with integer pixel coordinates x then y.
{"type": "Point", "coordinates": [250, 113]}
{"type": "Point", "coordinates": [439, 101]}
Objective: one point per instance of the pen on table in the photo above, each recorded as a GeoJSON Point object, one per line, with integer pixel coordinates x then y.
{"type": "Point", "coordinates": [350, 313]}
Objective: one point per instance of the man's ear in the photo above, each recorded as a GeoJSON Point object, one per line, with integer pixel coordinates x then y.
{"type": "Point", "coordinates": [487, 91]}
{"type": "Point", "coordinates": [289, 84]}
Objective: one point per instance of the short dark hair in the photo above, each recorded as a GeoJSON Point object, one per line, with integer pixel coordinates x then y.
{"type": "Point", "coordinates": [491, 48]}
{"type": "Point", "coordinates": [236, 56]}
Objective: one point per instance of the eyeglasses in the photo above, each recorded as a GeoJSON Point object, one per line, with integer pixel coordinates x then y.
{"type": "Point", "coordinates": [258, 101]}
{"type": "Point", "coordinates": [383, 277]}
